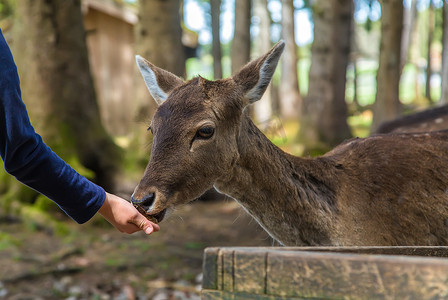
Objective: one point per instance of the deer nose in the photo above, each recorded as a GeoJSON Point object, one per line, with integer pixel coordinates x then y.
{"type": "Point", "coordinates": [146, 202]}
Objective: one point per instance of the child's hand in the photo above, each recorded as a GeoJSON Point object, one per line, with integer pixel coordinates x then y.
{"type": "Point", "coordinates": [124, 216]}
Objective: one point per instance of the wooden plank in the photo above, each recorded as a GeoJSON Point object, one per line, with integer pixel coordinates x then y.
{"type": "Point", "coordinates": [222, 295]}
{"type": "Point", "coordinates": [336, 276]}
{"type": "Point", "coordinates": [219, 271]}
{"type": "Point", "coordinates": [226, 255]}
{"type": "Point", "coordinates": [216, 295]}
{"type": "Point", "coordinates": [250, 271]}
{"type": "Point", "coordinates": [326, 272]}
{"type": "Point", "coordinates": [210, 269]}
{"type": "Point", "coordinates": [440, 251]}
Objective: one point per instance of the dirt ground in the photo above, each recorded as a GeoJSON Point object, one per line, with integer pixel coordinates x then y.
{"type": "Point", "coordinates": [98, 262]}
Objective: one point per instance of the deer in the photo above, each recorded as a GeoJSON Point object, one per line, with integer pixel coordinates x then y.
{"type": "Point", "coordinates": [432, 119]}
{"type": "Point", "coordinates": [383, 190]}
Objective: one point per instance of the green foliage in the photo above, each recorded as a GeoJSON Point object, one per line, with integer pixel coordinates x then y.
{"type": "Point", "coordinates": [45, 205]}
{"type": "Point", "coordinates": [98, 221]}
{"type": "Point", "coordinates": [74, 162]}
{"type": "Point", "coordinates": [115, 261]}
{"type": "Point", "coordinates": [143, 246]}
{"type": "Point", "coordinates": [13, 194]}
{"type": "Point", "coordinates": [6, 8]}
{"type": "Point", "coordinates": [200, 66]}
{"type": "Point", "coordinates": [136, 152]}
{"type": "Point", "coordinates": [366, 83]}
{"type": "Point", "coordinates": [8, 241]}
{"type": "Point", "coordinates": [360, 124]}
{"type": "Point", "coordinates": [194, 245]}
{"type": "Point", "coordinates": [32, 208]}
{"type": "Point", "coordinates": [34, 219]}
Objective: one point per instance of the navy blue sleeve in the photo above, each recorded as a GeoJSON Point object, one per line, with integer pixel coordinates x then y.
{"type": "Point", "coordinates": [26, 157]}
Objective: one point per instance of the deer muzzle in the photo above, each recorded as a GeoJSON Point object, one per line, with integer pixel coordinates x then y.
{"type": "Point", "coordinates": [146, 205]}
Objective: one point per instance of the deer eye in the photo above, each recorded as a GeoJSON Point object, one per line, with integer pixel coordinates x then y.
{"type": "Point", "coordinates": [205, 132]}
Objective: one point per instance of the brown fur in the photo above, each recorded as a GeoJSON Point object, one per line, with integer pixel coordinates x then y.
{"type": "Point", "coordinates": [381, 190]}
{"type": "Point", "coordinates": [431, 119]}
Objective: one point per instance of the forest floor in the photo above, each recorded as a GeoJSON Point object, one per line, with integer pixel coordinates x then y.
{"type": "Point", "coordinates": [98, 262]}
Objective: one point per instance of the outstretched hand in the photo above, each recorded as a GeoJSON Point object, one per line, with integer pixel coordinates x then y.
{"type": "Point", "coordinates": [124, 216]}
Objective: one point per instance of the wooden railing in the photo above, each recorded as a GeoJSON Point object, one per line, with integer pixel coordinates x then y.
{"type": "Point", "coordinates": [326, 272]}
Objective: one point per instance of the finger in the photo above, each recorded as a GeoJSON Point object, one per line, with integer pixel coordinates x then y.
{"type": "Point", "coordinates": [142, 223]}
{"type": "Point", "coordinates": [155, 227]}
{"type": "Point", "coordinates": [145, 225]}
{"type": "Point", "coordinates": [151, 227]}
{"type": "Point", "coordinates": [132, 227]}
{"type": "Point", "coordinates": [148, 230]}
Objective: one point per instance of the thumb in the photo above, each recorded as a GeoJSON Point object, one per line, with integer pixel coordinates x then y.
{"type": "Point", "coordinates": [142, 223]}
{"type": "Point", "coordinates": [148, 229]}
{"type": "Point", "coordinates": [145, 225]}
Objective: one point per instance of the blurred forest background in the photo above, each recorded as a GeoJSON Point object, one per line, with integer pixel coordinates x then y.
{"type": "Point", "coordinates": [348, 66]}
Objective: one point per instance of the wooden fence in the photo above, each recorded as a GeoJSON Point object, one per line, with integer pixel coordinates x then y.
{"type": "Point", "coordinates": [326, 273]}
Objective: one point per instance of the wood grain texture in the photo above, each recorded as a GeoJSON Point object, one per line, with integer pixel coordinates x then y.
{"type": "Point", "coordinates": [209, 267]}
{"type": "Point", "coordinates": [250, 271]}
{"type": "Point", "coordinates": [226, 256]}
{"type": "Point", "coordinates": [326, 272]}
{"type": "Point", "coordinates": [221, 295]}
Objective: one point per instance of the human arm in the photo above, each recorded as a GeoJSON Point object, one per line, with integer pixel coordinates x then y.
{"type": "Point", "coordinates": [26, 157]}
{"type": "Point", "coordinates": [33, 163]}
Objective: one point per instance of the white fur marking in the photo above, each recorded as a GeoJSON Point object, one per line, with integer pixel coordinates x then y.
{"type": "Point", "coordinates": [150, 80]}
{"type": "Point", "coordinates": [257, 91]}
{"type": "Point", "coordinates": [266, 72]}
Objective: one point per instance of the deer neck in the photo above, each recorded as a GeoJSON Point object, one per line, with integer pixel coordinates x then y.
{"type": "Point", "coordinates": [288, 196]}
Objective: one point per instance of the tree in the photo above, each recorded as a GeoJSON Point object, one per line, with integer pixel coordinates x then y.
{"type": "Point", "coordinates": [289, 86]}
{"type": "Point", "coordinates": [324, 118]}
{"type": "Point", "coordinates": [387, 105]}
{"type": "Point", "coordinates": [263, 109]}
{"type": "Point", "coordinates": [159, 40]}
{"type": "Point", "coordinates": [215, 11]}
{"type": "Point", "coordinates": [57, 87]}
{"type": "Point", "coordinates": [159, 34]}
{"type": "Point", "coordinates": [431, 25]}
{"type": "Point", "coordinates": [444, 93]}
{"type": "Point", "coordinates": [409, 25]}
{"type": "Point", "coordinates": [241, 37]}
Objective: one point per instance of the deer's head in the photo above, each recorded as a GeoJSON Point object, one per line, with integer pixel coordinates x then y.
{"type": "Point", "coordinates": [195, 130]}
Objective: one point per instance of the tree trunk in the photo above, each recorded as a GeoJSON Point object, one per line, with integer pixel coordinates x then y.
{"type": "Point", "coordinates": [159, 35]}
{"type": "Point", "coordinates": [431, 25]}
{"type": "Point", "coordinates": [409, 25]}
{"type": "Point", "coordinates": [324, 118]}
{"type": "Point", "coordinates": [159, 40]}
{"type": "Point", "coordinates": [263, 109]}
{"type": "Point", "coordinates": [241, 37]}
{"type": "Point", "coordinates": [444, 93]}
{"type": "Point", "coordinates": [215, 9]}
{"type": "Point", "coordinates": [387, 105]}
{"type": "Point", "coordinates": [57, 87]}
{"type": "Point", "coordinates": [289, 86]}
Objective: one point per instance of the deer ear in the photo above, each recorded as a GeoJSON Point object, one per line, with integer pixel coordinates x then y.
{"type": "Point", "coordinates": [158, 81]}
{"type": "Point", "coordinates": [255, 77]}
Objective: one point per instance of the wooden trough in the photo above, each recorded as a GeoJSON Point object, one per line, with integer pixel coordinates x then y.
{"type": "Point", "coordinates": [326, 273]}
